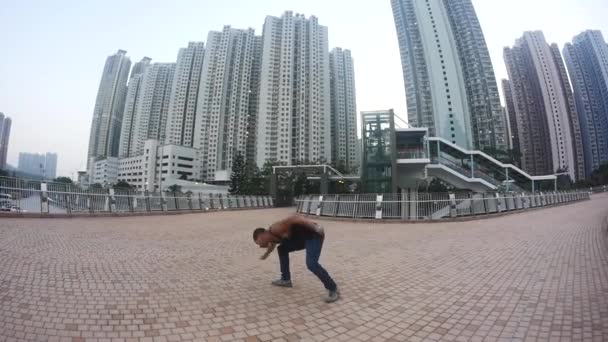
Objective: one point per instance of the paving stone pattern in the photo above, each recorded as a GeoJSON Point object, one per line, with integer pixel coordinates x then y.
{"type": "Point", "coordinates": [535, 276]}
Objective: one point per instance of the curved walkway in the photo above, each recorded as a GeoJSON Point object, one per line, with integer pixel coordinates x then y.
{"type": "Point", "coordinates": [540, 275]}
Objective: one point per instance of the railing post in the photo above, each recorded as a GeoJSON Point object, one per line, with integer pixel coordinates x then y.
{"type": "Point", "coordinates": [163, 201]}
{"type": "Point", "coordinates": [44, 198]}
{"type": "Point", "coordinates": [499, 207]}
{"type": "Point", "coordinates": [453, 210]}
{"type": "Point", "coordinates": [319, 205]}
{"type": "Point", "coordinates": [147, 201]}
{"type": "Point", "coordinates": [222, 202]}
{"type": "Point", "coordinates": [68, 202]}
{"type": "Point", "coordinates": [211, 204]}
{"type": "Point", "coordinates": [485, 204]}
{"type": "Point", "coordinates": [379, 199]}
{"type": "Point", "coordinates": [133, 201]}
{"type": "Point", "coordinates": [228, 202]}
{"type": "Point", "coordinates": [176, 201]}
{"type": "Point", "coordinates": [112, 200]}
{"type": "Point", "coordinates": [190, 202]}
{"type": "Point", "coordinates": [404, 205]}
{"type": "Point", "coordinates": [337, 208]}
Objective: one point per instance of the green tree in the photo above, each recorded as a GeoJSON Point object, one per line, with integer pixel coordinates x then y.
{"type": "Point", "coordinates": [238, 178]}
{"type": "Point", "coordinates": [122, 185]}
{"type": "Point", "coordinates": [96, 186]}
{"type": "Point", "coordinates": [300, 185]}
{"type": "Point", "coordinates": [64, 180]}
{"type": "Point", "coordinates": [174, 188]}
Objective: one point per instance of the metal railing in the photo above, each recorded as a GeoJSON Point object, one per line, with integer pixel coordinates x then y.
{"type": "Point", "coordinates": [23, 196]}
{"type": "Point", "coordinates": [430, 206]}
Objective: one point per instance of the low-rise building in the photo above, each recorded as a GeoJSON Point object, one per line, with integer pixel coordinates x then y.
{"type": "Point", "coordinates": [173, 162]}
{"type": "Point", "coordinates": [104, 172]}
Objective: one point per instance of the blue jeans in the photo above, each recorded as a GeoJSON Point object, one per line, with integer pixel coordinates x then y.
{"type": "Point", "coordinates": [313, 252]}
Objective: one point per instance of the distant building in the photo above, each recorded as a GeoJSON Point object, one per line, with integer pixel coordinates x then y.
{"type": "Point", "coordinates": [545, 114]}
{"type": "Point", "coordinates": [104, 172]}
{"type": "Point", "coordinates": [83, 178]}
{"type": "Point", "coordinates": [184, 95]}
{"type": "Point", "coordinates": [51, 165]}
{"type": "Point", "coordinates": [171, 161]}
{"type": "Point", "coordinates": [106, 126]}
{"type": "Point", "coordinates": [129, 129]}
{"type": "Point", "coordinates": [5, 134]}
{"type": "Point", "coordinates": [228, 91]}
{"type": "Point", "coordinates": [587, 61]}
{"type": "Point", "coordinates": [147, 119]}
{"type": "Point", "coordinates": [343, 110]}
{"type": "Point", "coordinates": [294, 116]}
{"type": "Point", "coordinates": [39, 165]}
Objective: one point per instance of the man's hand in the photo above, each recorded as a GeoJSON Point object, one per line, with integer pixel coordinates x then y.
{"type": "Point", "coordinates": [269, 251]}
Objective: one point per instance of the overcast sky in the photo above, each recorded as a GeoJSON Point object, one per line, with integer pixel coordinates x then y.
{"type": "Point", "coordinates": [52, 52]}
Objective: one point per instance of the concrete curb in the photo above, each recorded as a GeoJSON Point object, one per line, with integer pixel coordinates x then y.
{"type": "Point", "coordinates": [447, 220]}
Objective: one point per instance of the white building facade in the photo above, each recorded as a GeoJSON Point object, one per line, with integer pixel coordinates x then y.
{"type": "Point", "coordinates": [294, 116]}
{"type": "Point", "coordinates": [160, 166]}
{"type": "Point", "coordinates": [104, 172]}
{"type": "Point", "coordinates": [184, 95]}
{"type": "Point", "coordinates": [227, 91]}
{"type": "Point", "coordinates": [434, 81]}
{"type": "Point", "coordinates": [343, 110]}
{"type": "Point", "coordinates": [153, 105]}
{"type": "Point", "coordinates": [128, 131]}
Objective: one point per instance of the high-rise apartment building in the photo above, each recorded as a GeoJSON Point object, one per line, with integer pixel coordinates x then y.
{"type": "Point", "coordinates": [37, 164]}
{"type": "Point", "coordinates": [434, 80]}
{"type": "Point", "coordinates": [182, 118]}
{"type": "Point", "coordinates": [449, 79]}
{"type": "Point", "coordinates": [294, 116]}
{"type": "Point", "coordinates": [511, 116]}
{"type": "Point", "coordinates": [128, 131]}
{"type": "Point", "coordinates": [587, 60]}
{"type": "Point", "coordinates": [5, 134]}
{"type": "Point", "coordinates": [576, 136]}
{"type": "Point", "coordinates": [343, 110]}
{"type": "Point", "coordinates": [547, 140]}
{"type": "Point", "coordinates": [140, 67]}
{"type": "Point", "coordinates": [227, 90]}
{"type": "Point", "coordinates": [104, 140]}
{"type": "Point", "coordinates": [50, 161]}
{"type": "Point", "coordinates": [153, 105]}
{"type": "Point", "coordinates": [487, 121]}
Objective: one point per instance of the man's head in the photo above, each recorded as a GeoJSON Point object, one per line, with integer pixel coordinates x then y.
{"type": "Point", "coordinates": [261, 237]}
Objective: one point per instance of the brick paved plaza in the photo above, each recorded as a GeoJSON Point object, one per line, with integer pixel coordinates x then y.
{"type": "Point", "coordinates": [536, 276]}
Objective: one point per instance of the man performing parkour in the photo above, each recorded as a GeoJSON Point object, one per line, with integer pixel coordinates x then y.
{"type": "Point", "coordinates": [296, 233]}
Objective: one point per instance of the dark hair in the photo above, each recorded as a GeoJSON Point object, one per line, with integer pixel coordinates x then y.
{"type": "Point", "coordinates": [257, 233]}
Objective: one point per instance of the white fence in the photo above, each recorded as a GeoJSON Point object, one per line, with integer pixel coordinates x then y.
{"type": "Point", "coordinates": [22, 196]}
{"type": "Point", "coordinates": [429, 206]}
